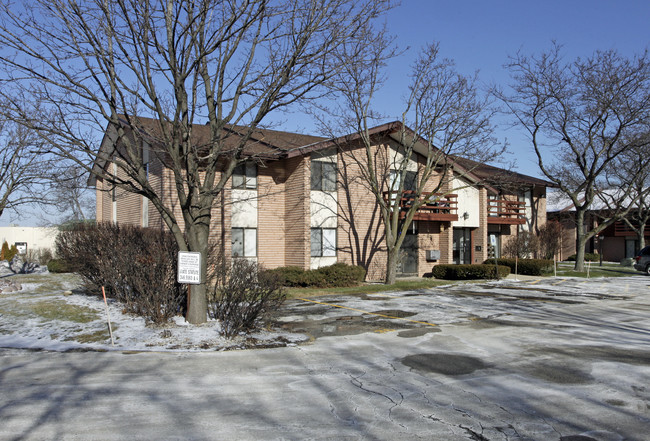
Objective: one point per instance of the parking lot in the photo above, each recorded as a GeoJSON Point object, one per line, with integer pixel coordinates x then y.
{"type": "Point", "coordinates": [536, 359]}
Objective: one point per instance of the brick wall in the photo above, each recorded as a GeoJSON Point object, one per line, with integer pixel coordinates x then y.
{"type": "Point", "coordinates": [271, 226]}
{"type": "Point", "coordinates": [296, 210]}
{"type": "Point", "coordinates": [360, 226]}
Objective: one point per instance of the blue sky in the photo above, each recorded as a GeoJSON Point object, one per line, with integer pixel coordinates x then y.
{"type": "Point", "coordinates": [479, 35]}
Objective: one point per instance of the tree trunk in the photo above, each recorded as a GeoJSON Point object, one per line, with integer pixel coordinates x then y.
{"type": "Point", "coordinates": [581, 241]}
{"type": "Point", "coordinates": [197, 241]}
{"type": "Point", "coordinates": [391, 266]}
{"type": "Point", "coordinates": [641, 236]}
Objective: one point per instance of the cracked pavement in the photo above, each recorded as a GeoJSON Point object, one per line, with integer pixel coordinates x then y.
{"type": "Point", "coordinates": [515, 360]}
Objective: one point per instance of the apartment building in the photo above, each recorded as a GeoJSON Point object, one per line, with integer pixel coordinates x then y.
{"type": "Point", "coordinates": [301, 201]}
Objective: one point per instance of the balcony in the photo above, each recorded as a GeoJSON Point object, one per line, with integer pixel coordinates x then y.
{"type": "Point", "coordinates": [501, 211]}
{"type": "Point", "coordinates": [621, 228]}
{"type": "Point", "coordinates": [443, 207]}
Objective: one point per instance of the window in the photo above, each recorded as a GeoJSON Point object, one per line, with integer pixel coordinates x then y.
{"type": "Point", "coordinates": [410, 180]}
{"type": "Point", "coordinates": [245, 176]}
{"type": "Point", "coordinates": [323, 242]}
{"type": "Point", "coordinates": [323, 176]}
{"type": "Point", "coordinates": [244, 242]}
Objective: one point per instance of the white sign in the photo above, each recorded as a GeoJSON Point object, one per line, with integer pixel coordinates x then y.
{"type": "Point", "coordinates": [189, 267]}
{"type": "Point", "coordinates": [21, 247]}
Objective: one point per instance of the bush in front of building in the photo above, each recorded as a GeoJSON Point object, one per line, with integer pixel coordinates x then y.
{"type": "Point", "coordinates": [469, 272]}
{"type": "Point", "coordinates": [332, 276]}
{"type": "Point", "coordinates": [41, 256]}
{"type": "Point", "coordinates": [59, 266]}
{"type": "Point", "coordinates": [589, 257]}
{"type": "Point", "coordinates": [137, 266]}
{"type": "Point", "coordinates": [525, 267]}
{"type": "Point", "coordinates": [523, 245]}
{"type": "Point", "coordinates": [243, 295]}
{"type": "Point", "coordinates": [290, 276]}
{"type": "Point", "coordinates": [340, 274]}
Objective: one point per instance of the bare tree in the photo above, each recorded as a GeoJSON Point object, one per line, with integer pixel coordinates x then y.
{"type": "Point", "coordinates": [70, 193]}
{"type": "Point", "coordinates": [627, 187]}
{"type": "Point", "coordinates": [97, 66]}
{"type": "Point", "coordinates": [25, 168]}
{"type": "Point", "coordinates": [444, 118]}
{"type": "Point", "coordinates": [550, 239]}
{"type": "Point", "coordinates": [580, 116]}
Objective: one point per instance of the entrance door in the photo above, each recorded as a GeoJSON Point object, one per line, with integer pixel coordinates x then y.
{"type": "Point", "coordinates": [462, 245]}
{"type": "Point", "coordinates": [408, 263]}
{"type": "Point", "coordinates": [631, 247]}
{"type": "Point", "coordinates": [494, 245]}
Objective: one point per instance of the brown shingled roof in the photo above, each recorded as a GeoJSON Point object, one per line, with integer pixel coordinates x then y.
{"type": "Point", "coordinates": [263, 142]}
{"type": "Point", "coordinates": [496, 175]}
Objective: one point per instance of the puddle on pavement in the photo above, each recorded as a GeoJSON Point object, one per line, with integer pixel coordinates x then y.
{"type": "Point", "coordinates": [552, 298]}
{"type": "Point", "coordinates": [577, 438]}
{"type": "Point", "coordinates": [417, 332]}
{"type": "Point", "coordinates": [318, 320]}
{"type": "Point", "coordinates": [479, 323]}
{"type": "Point", "coordinates": [395, 313]}
{"type": "Point", "coordinates": [597, 353]}
{"type": "Point", "coordinates": [446, 364]}
{"type": "Point", "coordinates": [559, 374]}
{"type": "Point", "coordinates": [342, 325]}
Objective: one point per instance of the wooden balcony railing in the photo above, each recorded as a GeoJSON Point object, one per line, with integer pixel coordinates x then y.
{"type": "Point", "coordinates": [623, 229]}
{"type": "Point", "coordinates": [442, 207]}
{"type": "Point", "coordinates": [501, 211]}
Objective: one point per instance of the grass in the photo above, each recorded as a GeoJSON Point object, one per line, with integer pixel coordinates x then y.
{"type": "Point", "coordinates": [50, 283]}
{"type": "Point", "coordinates": [402, 285]}
{"type": "Point", "coordinates": [100, 336]}
{"type": "Point", "coordinates": [596, 270]}
{"type": "Point", "coordinates": [563, 270]}
{"type": "Point", "coordinates": [60, 310]}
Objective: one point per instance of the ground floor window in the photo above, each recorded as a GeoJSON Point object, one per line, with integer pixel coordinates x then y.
{"type": "Point", "coordinates": [323, 242]}
{"type": "Point", "coordinates": [244, 242]}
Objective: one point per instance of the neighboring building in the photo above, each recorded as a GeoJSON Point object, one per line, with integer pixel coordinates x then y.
{"type": "Point", "coordinates": [301, 203]}
{"type": "Point", "coordinates": [616, 242]}
{"type": "Point", "coordinates": [29, 238]}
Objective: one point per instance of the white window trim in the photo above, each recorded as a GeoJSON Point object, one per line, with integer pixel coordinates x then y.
{"type": "Point", "coordinates": [245, 243]}
{"type": "Point", "coordinates": [145, 201]}
{"type": "Point", "coordinates": [323, 249]}
{"type": "Point", "coordinates": [114, 197]}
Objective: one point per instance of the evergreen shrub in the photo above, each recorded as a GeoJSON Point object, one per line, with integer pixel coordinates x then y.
{"type": "Point", "coordinates": [525, 267]}
{"type": "Point", "coordinates": [589, 257]}
{"type": "Point", "coordinates": [468, 272]}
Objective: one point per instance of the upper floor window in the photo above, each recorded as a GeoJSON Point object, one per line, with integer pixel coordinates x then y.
{"type": "Point", "coordinates": [410, 180]}
{"type": "Point", "coordinates": [323, 176]}
{"type": "Point", "coordinates": [244, 176]}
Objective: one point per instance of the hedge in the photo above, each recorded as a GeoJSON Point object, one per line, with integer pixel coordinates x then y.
{"type": "Point", "coordinates": [525, 267]}
{"type": "Point", "coordinates": [589, 257]}
{"type": "Point", "coordinates": [337, 275]}
{"type": "Point", "coordinates": [468, 272]}
{"type": "Point", "coordinates": [59, 266]}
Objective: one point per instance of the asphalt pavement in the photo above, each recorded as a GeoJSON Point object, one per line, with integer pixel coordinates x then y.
{"type": "Point", "coordinates": [540, 359]}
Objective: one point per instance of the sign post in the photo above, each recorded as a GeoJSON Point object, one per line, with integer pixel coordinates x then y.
{"type": "Point", "coordinates": [189, 271]}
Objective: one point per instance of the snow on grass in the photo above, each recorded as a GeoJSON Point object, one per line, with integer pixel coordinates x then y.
{"type": "Point", "coordinates": [45, 315]}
